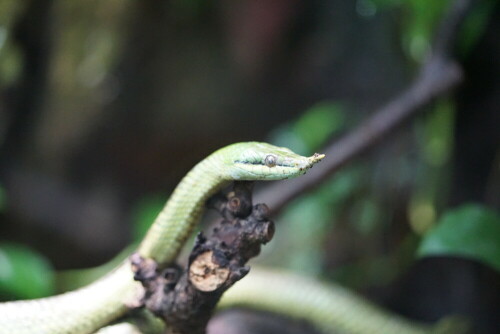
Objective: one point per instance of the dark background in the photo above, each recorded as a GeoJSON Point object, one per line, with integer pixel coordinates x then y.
{"type": "Point", "coordinates": [105, 105]}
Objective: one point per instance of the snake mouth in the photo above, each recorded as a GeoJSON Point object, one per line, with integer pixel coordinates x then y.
{"type": "Point", "coordinates": [316, 157]}
{"type": "Point", "coordinates": [310, 161]}
{"type": "Point", "coordinates": [283, 164]}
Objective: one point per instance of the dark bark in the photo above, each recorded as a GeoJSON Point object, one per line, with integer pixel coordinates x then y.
{"type": "Point", "coordinates": [186, 299]}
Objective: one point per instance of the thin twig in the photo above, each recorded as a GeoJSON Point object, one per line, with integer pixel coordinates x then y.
{"type": "Point", "coordinates": [438, 75]}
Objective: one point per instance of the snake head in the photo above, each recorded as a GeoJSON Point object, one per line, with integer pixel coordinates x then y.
{"type": "Point", "coordinates": [262, 161]}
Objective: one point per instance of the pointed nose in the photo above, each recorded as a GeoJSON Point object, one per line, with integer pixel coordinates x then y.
{"type": "Point", "coordinates": [316, 157]}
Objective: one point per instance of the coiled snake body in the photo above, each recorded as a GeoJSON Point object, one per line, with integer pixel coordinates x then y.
{"type": "Point", "coordinates": [87, 309]}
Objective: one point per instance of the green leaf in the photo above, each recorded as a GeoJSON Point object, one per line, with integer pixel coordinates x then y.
{"type": "Point", "coordinates": [312, 129]}
{"type": "Point", "coordinates": [24, 273]}
{"type": "Point", "coordinates": [474, 26]}
{"type": "Point", "coordinates": [470, 231]}
{"type": "Point", "coordinates": [319, 123]}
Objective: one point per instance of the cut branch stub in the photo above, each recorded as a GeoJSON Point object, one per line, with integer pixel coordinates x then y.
{"type": "Point", "coordinates": [206, 274]}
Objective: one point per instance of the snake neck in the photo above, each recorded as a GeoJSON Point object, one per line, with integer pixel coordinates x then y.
{"type": "Point", "coordinates": [182, 211]}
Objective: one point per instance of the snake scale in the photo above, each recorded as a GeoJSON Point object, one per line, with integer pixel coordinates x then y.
{"type": "Point", "coordinates": [85, 310]}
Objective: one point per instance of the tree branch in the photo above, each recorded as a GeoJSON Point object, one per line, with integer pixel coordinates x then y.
{"type": "Point", "coordinates": [186, 299]}
{"type": "Point", "coordinates": [437, 76]}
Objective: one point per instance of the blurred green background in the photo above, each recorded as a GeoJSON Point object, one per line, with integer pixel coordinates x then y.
{"type": "Point", "coordinates": [105, 105]}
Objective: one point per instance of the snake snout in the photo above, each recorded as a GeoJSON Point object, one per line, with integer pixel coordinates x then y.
{"type": "Point", "coordinates": [310, 161]}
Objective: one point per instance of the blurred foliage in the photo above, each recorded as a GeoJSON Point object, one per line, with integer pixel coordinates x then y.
{"type": "Point", "coordinates": [377, 269]}
{"type": "Point", "coordinates": [434, 136]}
{"type": "Point", "coordinates": [437, 134]}
{"type": "Point", "coordinates": [10, 58]}
{"type": "Point", "coordinates": [474, 25]}
{"type": "Point", "coordinates": [24, 273]}
{"type": "Point", "coordinates": [89, 44]}
{"type": "Point", "coordinates": [8, 10]}
{"type": "Point", "coordinates": [326, 118]}
{"type": "Point", "coordinates": [419, 20]}
{"type": "Point", "coordinates": [471, 231]}
{"type": "Point", "coordinates": [299, 245]}
{"type": "Point", "coordinates": [346, 203]}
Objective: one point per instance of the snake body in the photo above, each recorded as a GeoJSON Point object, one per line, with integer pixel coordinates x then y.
{"type": "Point", "coordinates": [329, 307]}
{"type": "Point", "coordinates": [88, 309]}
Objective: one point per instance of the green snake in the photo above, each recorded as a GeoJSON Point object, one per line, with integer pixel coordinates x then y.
{"type": "Point", "coordinates": [329, 307]}
{"type": "Point", "coordinates": [94, 306]}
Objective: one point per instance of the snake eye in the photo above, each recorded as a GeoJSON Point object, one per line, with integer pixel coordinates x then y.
{"type": "Point", "coordinates": [270, 160]}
